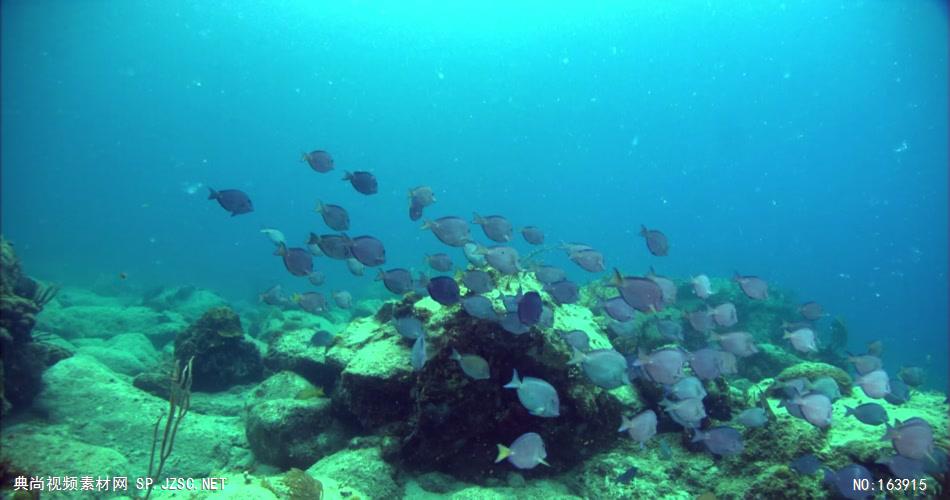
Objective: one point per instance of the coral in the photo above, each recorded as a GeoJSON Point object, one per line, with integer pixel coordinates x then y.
{"type": "Point", "coordinates": [222, 357]}
{"type": "Point", "coordinates": [813, 370]}
{"type": "Point", "coordinates": [301, 486]}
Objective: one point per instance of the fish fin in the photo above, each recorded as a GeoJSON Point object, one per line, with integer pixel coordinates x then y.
{"type": "Point", "coordinates": [347, 175]}
{"type": "Point", "coordinates": [698, 436]}
{"type": "Point", "coordinates": [577, 358]}
{"type": "Point", "coordinates": [515, 381]}
{"type": "Point", "coordinates": [617, 278]}
{"type": "Point", "coordinates": [503, 453]}
{"type": "Point", "coordinates": [625, 423]}
{"type": "Point", "coordinates": [212, 194]}
{"type": "Point", "coordinates": [455, 355]}
{"type": "Point", "coordinates": [281, 249]}
{"type": "Point", "coordinates": [542, 462]}
{"type": "Point", "coordinates": [643, 230]}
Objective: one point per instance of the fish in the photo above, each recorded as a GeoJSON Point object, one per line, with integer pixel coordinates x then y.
{"type": "Point", "coordinates": [913, 438]}
{"type": "Point", "coordinates": [577, 339]}
{"type": "Point", "coordinates": [479, 307]}
{"type": "Point", "coordinates": [667, 287]}
{"type": "Point", "coordinates": [504, 259]}
{"type": "Point", "coordinates": [312, 302]}
{"type": "Point", "coordinates": [319, 161]}
{"type": "Point", "coordinates": [452, 231]}
{"type": "Point", "coordinates": [529, 308]}
{"type": "Point", "coordinates": [656, 241]}
{"type": "Point", "coordinates": [686, 388]}
{"type": "Point", "coordinates": [274, 297]}
{"type": "Point", "coordinates": [606, 368]}
{"type": "Point", "coordinates": [472, 365]}
{"type": "Point", "coordinates": [334, 216]}
{"type": "Point", "coordinates": [495, 227]}
{"type": "Point", "coordinates": [640, 428]}
{"type": "Point", "coordinates": [322, 338]}
{"type": "Point", "coordinates": [618, 309]}
{"type": "Point", "coordinates": [740, 344]}
{"type": "Point", "coordinates": [664, 366]}
{"type": "Point", "coordinates": [563, 292]}
{"type": "Point", "coordinates": [627, 476]}
{"type": "Point", "coordinates": [316, 278]}
{"type": "Point", "coordinates": [334, 246]}
{"type": "Point", "coordinates": [408, 326]}
{"type": "Point", "coordinates": [876, 348]}
{"type": "Point", "coordinates": [826, 386]}
{"type": "Point", "coordinates": [803, 340]}
{"type": "Point", "coordinates": [512, 324]}
{"type": "Point", "coordinates": [868, 413]}
{"type": "Point", "coordinates": [274, 235]}
{"type": "Point", "coordinates": [235, 201]}
{"type": "Point", "coordinates": [875, 384]}
{"type": "Point", "coordinates": [298, 261]}
{"type": "Point", "coordinates": [549, 274]}
{"type": "Point", "coordinates": [844, 479]}
{"type": "Point", "coordinates": [752, 417]}
{"type": "Point", "coordinates": [418, 356]}
{"type": "Point", "coordinates": [812, 311]}
{"type": "Point", "coordinates": [687, 412]}
{"type": "Point", "coordinates": [911, 375]}
{"type": "Point", "coordinates": [702, 287]}
{"type": "Point", "coordinates": [355, 267]}
{"type": "Point", "coordinates": [441, 262]}
{"type": "Point", "coordinates": [725, 315]}
{"type": "Point", "coordinates": [536, 395]}
{"type": "Point", "coordinates": [363, 182]}
{"type": "Point", "coordinates": [752, 286]}
{"type": "Point", "coordinates": [670, 330]}
{"type": "Point", "coordinates": [706, 363]}
{"type": "Point", "coordinates": [368, 250]}
{"type": "Point", "coordinates": [641, 294]}
{"type": "Point", "coordinates": [423, 196]}
{"type": "Point", "coordinates": [865, 363]}
{"type": "Point", "coordinates": [815, 408]}
{"type": "Point", "coordinates": [591, 261]}
{"type": "Point", "coordinates": [398, 280]}
{"type": "Point", "coordinates": [343, 299]}
{"type": "Point", "coordinates": [904, 468]}
{"type": "Point", "coordinates": [721, 441]}
{"type": "Point", "coordinates": [478, 281]}
{"type": "Point", "coordinates": [807, 464]}
{"type": "Point", "coordinates": [444, 290]}
{"type": "Point", "coordinates": [472, 256]}
{"type": "Point", "coordinates": [900, 393]}
{"type": "Point", "coordinates": [415, 211]}
{"type": "Point", "coordinates": [526, 452]}
{"type": "Point", "coordinates": [701, 321]}
{"type": "Point", "coordinates": [532, 235]}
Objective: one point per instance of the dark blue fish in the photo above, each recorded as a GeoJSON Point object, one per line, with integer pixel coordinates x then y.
{"type": "Point", "coordinates": [397, 280]}
{"type": "Point", "coordinates": [334, 246]}
{"type": "Point", "coordinates": [334, 216]}
{"type": "Point", "coordinates": [363, 182]}
{"type": "Point", "coordinates": [440, 262]}
{"type": "Point", "coordinates": [843, 481]}
{"type": "Point", "coordinates": [657, 243]}
{"type": "Point", "coordinates": [806, 464]}
{"type": "Point", "coordinates": [322, 338]}
{"type": "Point", "coordinates": [868, 413]}
{"type": "Point", "coordinates": [628, 476]}
{"type": "Point", "coordinates": [298, 261]}
{"type": "Point", "coordinates": [444, 290]}
{"type": "Point", "coordinates": [478, 281]}
{"type": "Point", "coordinates": [533, 235]}
{"type": "Point", "coordinates": [563, 292]}
{"type": "Point", "coordinates": [368, 250]}
{"type": "Point", "coordinates": [234, 201]}
{"type": "Point", "coordinates": [900, 393]}
{"type": "Point", "coordinates": [529, 308]}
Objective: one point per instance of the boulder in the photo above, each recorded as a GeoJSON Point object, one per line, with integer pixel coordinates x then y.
{"type": "Point", "coordinates": [361, 471]}
{"type": "Point", "coordinates": [222, 357]}
{"type": "Point", "coordinates": [292, 432]}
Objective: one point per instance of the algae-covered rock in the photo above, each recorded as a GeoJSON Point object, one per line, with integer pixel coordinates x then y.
{"type": "Point", "coordinates": [813, 370]}
{"type": "Point", "coordinates": [292, 432]}
{"type": "Point", "coordinates": [362, 472]}
{"type": "Point", "coordinates": [129, 353]}
{"type": "Point", "coordinates": [189, 301]}
{"type": "Point", "coordinates": [375, 386]}
{"type": "Point", "coordinates": [222, 357]}
{"type": "Point", "coordinates": [293, 351]}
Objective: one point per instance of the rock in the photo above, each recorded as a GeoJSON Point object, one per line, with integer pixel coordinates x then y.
{"type": "Point", "coordinates": [292, 432]}
{"type": "Point", "coordinates": [376, 383]}
{"type": "Point", "coordinates": [281, 385]}
{"type": "Point", "coordinates": [29, 447]}
{"type": "Point", "coordinates": [97, 321]}
{"type": "Point", "coordinates": [362, 471]}
{"type": "Point", "coordinates": [97, 407]}
{"type": "Point", "coordinates": [128, 353]}
{"type": "Point", "coordinates": [813, 370]}
{"type": "Point", "coordinates": [189, 301]}
{"type": "Point", "coordinates": [222, 357]}
{"type": "Point", "coordinates": [293, 351]}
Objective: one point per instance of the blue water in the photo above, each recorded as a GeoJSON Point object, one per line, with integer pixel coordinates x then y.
{"type": "Point", "coordinates": [805, 142]}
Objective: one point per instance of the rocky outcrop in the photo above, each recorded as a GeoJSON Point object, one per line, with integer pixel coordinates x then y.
{"type": "Point", "coordinates": [222, 357]}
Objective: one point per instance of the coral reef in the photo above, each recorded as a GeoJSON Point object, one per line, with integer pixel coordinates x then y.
{"type": "Point", "coordinates": [23, 359]}
{"type": "Point", "coordinates": [222, 357]}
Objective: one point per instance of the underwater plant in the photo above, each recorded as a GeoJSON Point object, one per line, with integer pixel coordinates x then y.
{"type": "Point", "coordinates": [179, 401]}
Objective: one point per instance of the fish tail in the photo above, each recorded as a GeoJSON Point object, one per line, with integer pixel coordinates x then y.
{"type": "Point", "coordinates": [503, 453]}
{"type": "Point", "coordinates": [455, 355]}
{"type": "Point", "coordinates": [319, 207]}
{"type": "Point", "coordinates": [477, 219]}
{"type": "Point", "coordinates": [542, 462]}
{"type": "Point", "coordinates": [515, 381]}
{"type": "Point", "coordinates": [577, 358]}
{"type": "Point", "coordinates": [625, 423]}
{"type": "Point", "coordinates": [313, 239]}
{"type": "Point", "coordinates": [617, 278]}
{"type": "Point", "coordinates": [347, 175]}
{"type": "Point", "coordinates": [212, 194]}
{"type": "Point", "coordinates": [281, 249]}
{"type": "Point", "coordinates": [848, 411]}
{"type": "Point", "coordinates": [643, 230]}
